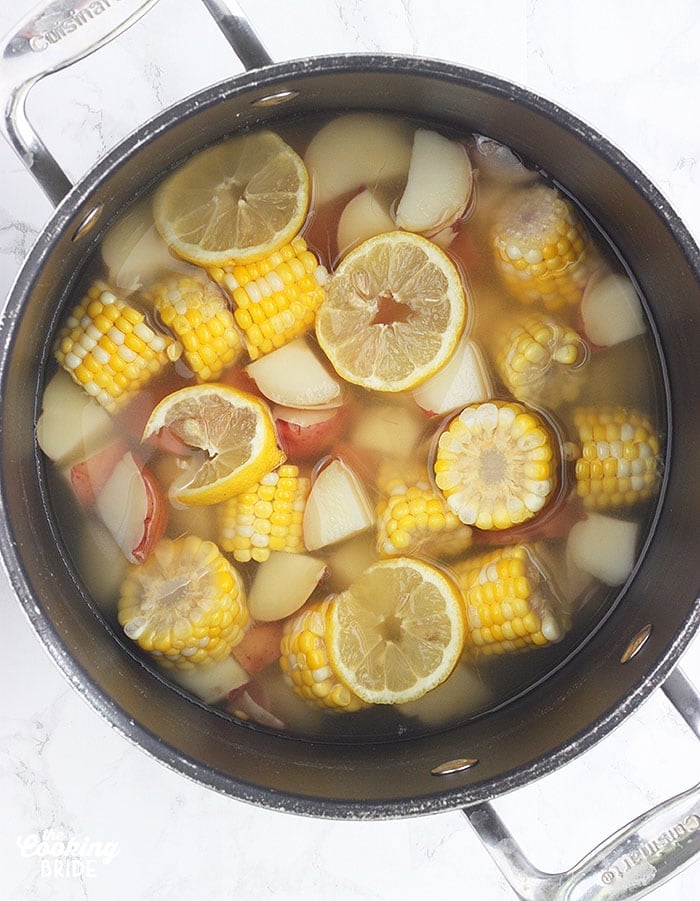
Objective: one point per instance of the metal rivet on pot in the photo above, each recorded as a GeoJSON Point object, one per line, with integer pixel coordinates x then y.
{"type": "Point", "coordinates": [637, 643]}
{"type": "Point", "coordinates": [88, 222]}
{"type": "Point", "coordinates": [454, 766]}
{"type": "Point", "coordinates": [275, 99]}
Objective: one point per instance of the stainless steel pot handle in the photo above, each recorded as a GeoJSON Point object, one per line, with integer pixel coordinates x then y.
{"type": "Point", "coordinates": [636, 859]}
{"type": "Point", "coordinates": [61, 32]}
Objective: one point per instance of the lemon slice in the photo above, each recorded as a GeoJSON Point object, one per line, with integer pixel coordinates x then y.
{"type": "Point", "coordinates": [397, 632]}
{"type": "Point", "coordinates": [393, 314]}
{"type": "Point", "coordinates": [234, 433]}
{"type": "Point", "coordinates": [239, 200]}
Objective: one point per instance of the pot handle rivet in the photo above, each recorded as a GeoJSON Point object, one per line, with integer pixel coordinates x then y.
{"type": "Point", "coordinates": [275, 99]}
{"type": "Point", "coordinates": [454, 766]}
{"type": "Point", "coordinates": [637, 643]}
{"type": "Point", "coordinates": [88, 222]}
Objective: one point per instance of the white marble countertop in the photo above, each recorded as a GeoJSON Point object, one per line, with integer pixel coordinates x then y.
{"type": "Point", "coordinates": [629, 68]}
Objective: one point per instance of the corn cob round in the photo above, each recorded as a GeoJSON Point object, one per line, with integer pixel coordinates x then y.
{"type": "Point", "coordinates": [267, 517]}
{"type": "Point", "coordinates": [617, 459]}
{"type": "Point", "coordinates": [510, 603]}
{"type": "Point", "coordinates": [304, 661]}
{"type": "Point", "coordinates": [540, 248]}
{"type": "Point", "coordinates": [495, 464]}
{"type": "Point", "coordinates": [275, 298]}
{"type": "Point", "coordinates": [196, 312]}
{"type": "Point", "coordinates": [540, 359]}
{"type": "Point", "coordinates": [109, 349]}
{"type": "Point", "coordinates": [185, 605]}
{"type": "Point", "coordinates": [414, 518]}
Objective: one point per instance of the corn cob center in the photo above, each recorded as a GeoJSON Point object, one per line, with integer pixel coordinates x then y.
{"type": "Point", "coordinates": [185, 605]}
{"type": "Point", "coordinates": [495, 465]}
{"type": "Point", "coordinates": [540, 247]}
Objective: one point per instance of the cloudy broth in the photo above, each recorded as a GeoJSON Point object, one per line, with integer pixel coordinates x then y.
{"type": "Point", "coordinates": [609, 363]}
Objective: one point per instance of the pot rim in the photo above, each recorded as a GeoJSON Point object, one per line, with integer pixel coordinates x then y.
{"type": "Point", "coordinates": [74, 207]}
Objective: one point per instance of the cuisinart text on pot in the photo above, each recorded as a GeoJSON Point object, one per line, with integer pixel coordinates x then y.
{"type": "Point", "coordinates": [651, 849]}
{"type": "Point", "coordinates": [73, 21]}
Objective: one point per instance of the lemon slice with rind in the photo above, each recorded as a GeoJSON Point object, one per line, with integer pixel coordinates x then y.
{"type": "Point", "coordinates": [397, 632]}
{"type": "Point", "coordinates": [393, 314]}
{"type": "Point", "coordinates": [233, 434]}
{"type": "Point", "coordinates": [236, 201]}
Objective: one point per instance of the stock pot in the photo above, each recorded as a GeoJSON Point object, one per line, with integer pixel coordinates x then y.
{"type": "Point", "coordinates": [628, 656]}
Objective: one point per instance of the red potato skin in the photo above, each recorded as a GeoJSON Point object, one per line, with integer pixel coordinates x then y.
{"type": "Point", "coordinates": [305, 442]}
{"type": "Point", "coordinates": [89, 477]}
{"type": "Point", "coordinates": [156, 519]}
{"type": "Point", "coordinates": [260, 646]}
{"type": "Point", "coordinates": [134, 416]}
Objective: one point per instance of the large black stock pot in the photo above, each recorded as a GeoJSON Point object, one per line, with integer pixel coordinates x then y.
{"type": "Point", "coordinates": [658, 611]}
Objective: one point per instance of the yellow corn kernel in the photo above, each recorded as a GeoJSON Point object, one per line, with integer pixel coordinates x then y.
{"type": "Point", "coordinates": [109, 349]}
{"type": "Point", "coordinates": [198, 315]}
{"type": "Point", "coordinates": [267, 517]}
{"type": "Point", "coordinates": [304, 661]}
{"type": "Point", "coordinates": [510, 601]}
{"type": "Point", "coordinates": [542, 359]}
{"type": "Point", "coordinates": [275, 299]}
{"type": "Point", "coordinates": [414, 518]}
{"type": "Point", "coordinates": [541, 248]}
{"type": "Point", "coordinates": [616, 459]}
{"type": "Point", "coordinates": [185, 605]}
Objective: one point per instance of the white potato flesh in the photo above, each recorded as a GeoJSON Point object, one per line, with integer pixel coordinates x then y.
{"type": "Point", "coordinates": [388, 430]}
{"type": "Point", "coordinates": [283, 584]}
{"type": "Point", "coordinates": [293, 376]}
{"type": "Point", "coordinates": [611, 310]}
{"type": "Point", "coordinates": [123, 505]}
{"type": "Point", "coordinates": [604, 546]}
{"type": "Point", "coordinates": [464, 380]}
{"type": "Point", "coordinates": [133, 250]}
{"type": "Point", "coordinates": [211, 683]}
{"type": "Point", "coordinates": [72, 425]}
{"type": "Point", "coordinates": [356, 151]}
{"type": "Point", "coordinates": [337, 507]}
{"type": "Point", "coordinates": [365, 216]}
{"type": "Point", "coordinates": [439, 184]}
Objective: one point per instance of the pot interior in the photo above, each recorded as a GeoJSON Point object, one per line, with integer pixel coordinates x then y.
{"type": "Point", "coordinates": [534, 733]}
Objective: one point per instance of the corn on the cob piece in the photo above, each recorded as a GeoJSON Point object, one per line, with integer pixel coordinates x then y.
{"type": "Point", "coordinates": [304, 661]}
{"type": "Point", "coordinates": [414, 518]}
{"type": "Point", "coordinates": [185, 605]}
{"type": "Point", "coordinates": [495, 463]}
{"type": "Point", "coordinates": [267, 517]}
{"type": "Point", "coordinates": [198, 315]}
{"type": "Point", "coordinates": [510, 601]}
{"type": "Point", "coordinates": [617, 459]}
{"type": "Point", "coordinates": [541, 248]}
{"type": "Point", "coordinates": [540, 358]}
{"type": "Point", "coordinates": [275, 298]}
{"type": "Point", "coordinates": [109, 349]}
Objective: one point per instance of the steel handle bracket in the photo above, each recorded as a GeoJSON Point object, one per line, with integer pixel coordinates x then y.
{"type": "Point", "coordinates": [639, 857]}
{"type": "Point", "coordinates": [57, 34]}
